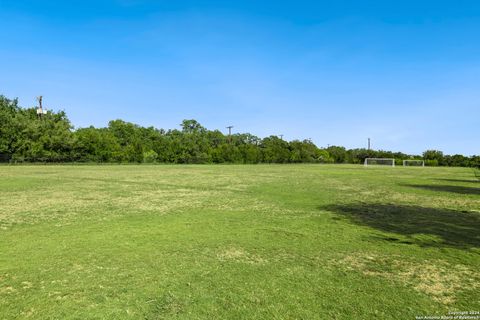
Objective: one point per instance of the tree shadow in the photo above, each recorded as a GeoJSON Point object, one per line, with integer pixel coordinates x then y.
{"type": "Point", "coordinates": [460, 180]}
{"type": "Point", "coordinates": [415, 224]}
{"type": "Point", "coordinates": [445, 188]}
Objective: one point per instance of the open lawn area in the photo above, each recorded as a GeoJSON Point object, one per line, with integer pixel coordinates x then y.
{"type": "Point", "coordinates": [237, 242]}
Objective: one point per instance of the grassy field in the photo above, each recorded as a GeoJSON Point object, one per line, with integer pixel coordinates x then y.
{"type": "Point", "coordinates": [237, 242]}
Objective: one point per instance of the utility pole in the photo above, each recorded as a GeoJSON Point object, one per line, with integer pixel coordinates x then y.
{"type": "Point", "coordinates": [40, 111]}
{"type": "Point", "coordinates": [368, 143]}
{"type": "Point", "coordinates": [230, 133]}
{"type": "Point", "coordinates": [281, 136]}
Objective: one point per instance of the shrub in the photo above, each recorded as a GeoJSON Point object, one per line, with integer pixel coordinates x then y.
{"type": "Point", "coordinates": [150, 156]}
{"type": "Point", "coordinates": [431, 163]}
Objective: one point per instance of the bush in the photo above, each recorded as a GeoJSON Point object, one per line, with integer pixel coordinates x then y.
{"type": "Point", "coordinates": [324, 157]}
{"type": "Point", "coordinates": [150, 156]}
{"type": "Point", "coordinates": [431, 163]}
{"type": "Point", "coordinates": [434, 155]}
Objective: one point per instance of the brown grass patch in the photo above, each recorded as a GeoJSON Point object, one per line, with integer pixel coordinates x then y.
{"type": "Point", "coordinates": [438, 279]}
{"type": "Point", "coordinates": [240, 255]}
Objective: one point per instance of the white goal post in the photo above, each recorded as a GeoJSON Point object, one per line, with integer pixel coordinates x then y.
{"type": "Point", "coordinates": [413, 162]}
{"type": "Point", "coordinates": [379, 162]}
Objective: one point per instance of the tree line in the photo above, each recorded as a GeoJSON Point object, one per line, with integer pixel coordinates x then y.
{"type": "Point", "coordinates": [26, 137]}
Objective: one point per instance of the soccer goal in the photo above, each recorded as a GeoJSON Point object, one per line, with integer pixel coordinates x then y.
{"type": "Point", "coordinates": [413, 163]}
{"type": "Point", "coordinates": [379, 162]}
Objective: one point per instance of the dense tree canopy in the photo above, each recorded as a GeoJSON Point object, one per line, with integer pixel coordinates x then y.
{"type": "Point", "coordinates": [24, 137]}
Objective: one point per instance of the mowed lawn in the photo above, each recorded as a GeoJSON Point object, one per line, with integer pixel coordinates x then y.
{"type": "Point", "coordinates": [237, 242]}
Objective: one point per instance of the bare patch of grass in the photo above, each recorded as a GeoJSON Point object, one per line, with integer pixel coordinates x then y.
{"type": "Point", "coordinates": [241, 256]}
{"type": "Point", "coordinates": [438, 279]}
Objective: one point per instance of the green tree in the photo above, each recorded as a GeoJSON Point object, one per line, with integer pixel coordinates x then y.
{"type": "Point", "coordinates": [275, 150]}
{"type": "Point", "coordinates": [9, 127]}
{"type": "Point", "coordinates": [433, 157]}
{"type": "Point", "coordinates": [339, 154]}
{"type": "Point", "coordinates": [26, 137]}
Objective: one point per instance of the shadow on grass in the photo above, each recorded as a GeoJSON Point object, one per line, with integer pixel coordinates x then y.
{"type": "Point", "coordinates": [460, 180]}
{"type": "Point", "coordinates": [445, 188]}
{"type": "Point", "coordinates": [416, 225]}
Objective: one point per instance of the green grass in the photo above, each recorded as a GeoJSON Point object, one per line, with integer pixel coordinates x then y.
{"type": "Point", "coordinates": [237, 242]}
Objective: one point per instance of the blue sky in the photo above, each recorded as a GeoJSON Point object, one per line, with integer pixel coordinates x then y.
{"type": "Point", "coordinates": [404, 73]}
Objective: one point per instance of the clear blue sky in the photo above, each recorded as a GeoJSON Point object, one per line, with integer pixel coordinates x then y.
{"type": "Point", "coordinates": [404, 73]}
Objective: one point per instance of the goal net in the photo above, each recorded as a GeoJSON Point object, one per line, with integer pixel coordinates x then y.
{"type": "Point", "coordinates": [379, 162]}
{"type": "Point", "coordinates": [413, 163]}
